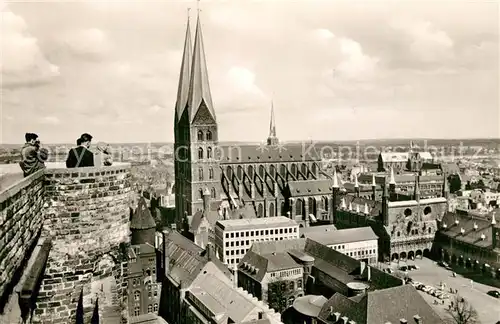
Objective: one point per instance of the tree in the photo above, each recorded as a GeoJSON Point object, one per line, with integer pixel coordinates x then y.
{"type": "Point", "coordinates": [462, 312]}
{"type": "Point", "coordinates": [278, 294]}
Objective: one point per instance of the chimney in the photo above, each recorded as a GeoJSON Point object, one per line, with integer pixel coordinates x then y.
{"type": "Point", "coordinates": [362, 267]}
{"type": "Point", "coordinates": [418, 319]}
{"type": "Point", "coordinates": [403, 321]}
{"type": "Point", "coordinates": [210, 252]}
{"type": "Point", "coordinates": [235, 276]}
{"type": "Point", "coordinates": [344, 320]}
{"type": "Point", "coordinates": [206, 200]}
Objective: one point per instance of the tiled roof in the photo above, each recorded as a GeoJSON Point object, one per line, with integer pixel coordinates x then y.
{"type": "Point", "coordinates": [278, 246]}
{"type": "Point", "coordinates": [233, 154]}
{"type": "Point", "coordinates": [185, 261]}
{"type": "Point", "coordinates": [381, 306]}
{"type": "Point", "coordinates": [310, 187]}
{"type": "Point", "coordinates": [220, 298]}
{"type": "Point", "coordinates": [142, 218]}
{"type": "Point", "coordinates": [343, 236]}
{"type": "Point", "coordinates": [268, 222]}
{"type": "Point", "coordinates": [316, 229]}
{"type": "Point", "coordinates": [266, 263]}
{"type": "Point", "coordinates": [466, 222]}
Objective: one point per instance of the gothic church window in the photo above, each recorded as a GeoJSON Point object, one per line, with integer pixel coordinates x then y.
{"type": "Point", "coordinates": [200, 174]}
{"type": "Point", "coordinates": [229, 172]}
{"type": "Point", "coordinates": [209, 153]}
{"type": "Point", "coordinates": [283, 170]}
{"type": "Point", "coordinates": [200, 153]}
{"type": "Point", "coordinates": [271, 210]}
{"type": "Point", "coordinates": [299, 207]}
{"type": "Point", "coordinates": [272, 171]}
{"type": "Point", "coordinates": [213, 193]}
{"type": "Point", "coordinates": [260, 211]}
{"type": "Point", "coordinates": [294, 169]}
{"type": "Point", "coordinates": [303, 169]}
{"type": "Point", "coordinates": [150, 308]}
{"type": "Point", "coordinates": [262, 171]}
{"type": "Point", "coordinates": [137, 311]}
{"type": "Point", "coordinates": [201, 193]}
{"type": "Point", "coordinates": [200, 135]}
{"type": "Point", "coordinates": [239, 172]}
{"type": "Point", "coordinates": [210, 173]}
{"type": "Point", "coordinates": [208, 136]}
{"type": "Point", "coordinates": [155, 307]}
{"type": "Point", "coordinates": [137, 296]}
{"type": "Point", "coordinates": [250, 172]}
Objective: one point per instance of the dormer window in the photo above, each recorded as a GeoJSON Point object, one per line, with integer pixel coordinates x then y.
{"type": "Point", "coordinates": [445, 226]}
{"type": "Point", "coordinates": [483, 237]}
{"type": "Point", "coordinates": [462, 231]}
{"type": "Point", "coordinates": [457, 222]}
{"type": "Point", "coordinates": [475, 226]}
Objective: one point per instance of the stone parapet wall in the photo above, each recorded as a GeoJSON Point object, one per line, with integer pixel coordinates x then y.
{"type": "Point", "coordinates": [20, 224]}
{"type": "Point", "coordinates": [87, 217]}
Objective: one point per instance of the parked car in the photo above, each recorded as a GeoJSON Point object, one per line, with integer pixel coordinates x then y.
{"type": "Point", "coordinates": [404, 268]}
{"type": "Point", "coordinates": [413, 267]}
{"type": "Point", "coordinates": [494, 293]}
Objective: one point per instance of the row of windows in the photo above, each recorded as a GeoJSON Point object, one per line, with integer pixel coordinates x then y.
{"type": "Point", "coordinates": [207, 137]}
{"type": "Point", "coordinates": [285, 230]}
{"type": "Point", "coordinates": [272, 170]}
{"type": "Point", "coordinates": [415, 232]}
{"type": "Point", "coordinates": [286, 273]}
{"type": "Point", "coordinates": [291, 285]}
{"type": "Point", "coordinates": [210, 174]}
{"type": "Point", "coordinates": [137, 293]}
{"type": "Point", "coordinates": [151, 308]}
{"type": "Point", "coordinates": [360, 253]}
{"type": "Point", "coordinates": [209, 153]}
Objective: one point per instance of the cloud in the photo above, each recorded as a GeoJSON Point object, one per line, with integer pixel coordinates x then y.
{"type": "Point", "coordinates": [23, 63]}
{"type": "Point", "coordinates": [50, 120]}
{"type": "Point", "coordinates": [323, 34]}
{"type": "Point", "coordinates": [355, 64]}
{"type": "Point", "coordinates": [155, 109]}
{"type": "Point", "coordinates": [427, 43]}
{"type": "Point", "coordinates": [89, 43]}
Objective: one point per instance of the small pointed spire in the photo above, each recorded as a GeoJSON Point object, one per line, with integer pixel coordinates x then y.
{"type": "Point", "coordinates": [493, 220]}
{"type": "Point", "coordinates": [356, 184]}
{"type": "Point", "coordinates": [350, 206]}
{"type": "Point", "coordinates": [185, 75]}
{"type": "Point", "coordinates": [335, 179]}
{"type": "Point", "coordinates": [95, 314]}
{"type": "Point", "coordinates": [199, 87]}
{"type": "Point", "coordinates": [343, 203]}
{"type": "Point", "coordinates": [357, 208]}
{"type": "Point", "coordinates": [392, 179]}
{"type": "Point", "coordinates": [374, 183]}
{"type": "Point", "coordinates": [272, 122]}
{"type": "Point", "coordinates": [417, 188]}
{"type": "Point", "coordinates": [366, 211]}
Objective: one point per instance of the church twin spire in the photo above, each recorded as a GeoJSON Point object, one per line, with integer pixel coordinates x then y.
{"type": "Point", "coordinates": [272, 139]}
{"type": "Point", "coordinates": [194, 88]}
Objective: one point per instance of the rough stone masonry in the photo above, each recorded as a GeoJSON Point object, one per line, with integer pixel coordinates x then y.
{"type": "Point", "coordinates": [86, 214]}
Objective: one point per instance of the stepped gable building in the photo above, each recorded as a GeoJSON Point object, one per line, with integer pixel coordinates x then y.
{"type": "Point", "coordinates": [405, 224]}
{"type": "Point", "coordinates": [143, 286]}
{"type": "Point", "coordinates": [470, 240]}
{"type": "Point", "coordinates": [243, 175]}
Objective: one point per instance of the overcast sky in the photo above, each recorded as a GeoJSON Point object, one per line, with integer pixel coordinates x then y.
{"type": "Point", "coordinates": [337, 70]}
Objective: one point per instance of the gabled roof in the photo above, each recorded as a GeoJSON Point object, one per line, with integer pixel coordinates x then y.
{"type": "Point", "coordinates": [310, 187]}
{"type": "Point", "coordinates": [234, 154]}
{"type": "Point", "coordinates": [142, 218]}
{"type": "Point", "coordinates": [381, 306]}
{"type": "Point", "coordinates": [199, 88]}
{"type": "Point", "coordinates": [264, 263]}
{"type": "Point", "coordinates": [347, 235]}
{"type": "Point", "coordinates": [184, 77]}
{"type": "Point", "coordinates": [466, 222]}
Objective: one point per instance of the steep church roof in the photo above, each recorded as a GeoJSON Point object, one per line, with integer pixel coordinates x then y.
{"type": "Point", "coordinates": [184, 77]}
{"type": "Point", "coordinates": [142, 218]}
{"type": "Point", "coordinates": [199, 88]}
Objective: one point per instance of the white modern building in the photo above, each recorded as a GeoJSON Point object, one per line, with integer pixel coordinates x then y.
{"type": "Point", "coordinates": [359, 243]}
{"type": "Point", "coordinates": [233, 238]}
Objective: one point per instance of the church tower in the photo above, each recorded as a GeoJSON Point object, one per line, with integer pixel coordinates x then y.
{"type": "Point", "coordinates": [196, 133]}
{"type": "Point", "coordinates": [272, 139]}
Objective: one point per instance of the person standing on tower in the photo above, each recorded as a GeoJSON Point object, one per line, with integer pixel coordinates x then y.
{"type": "Point", "coordinates": [32, 156]}
{"type": "Point", "coordinates": [81, 156]}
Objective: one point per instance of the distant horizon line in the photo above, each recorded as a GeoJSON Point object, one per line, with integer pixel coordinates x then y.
{"type": "Point", "coordinates": [299, 141]}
